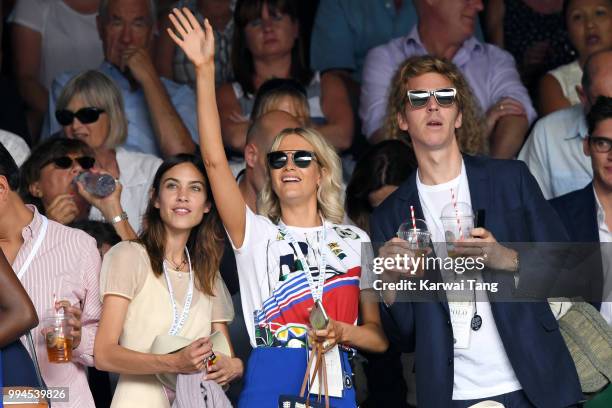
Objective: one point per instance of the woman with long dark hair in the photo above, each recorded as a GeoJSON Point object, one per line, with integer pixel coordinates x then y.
{"type": "Point", "coordinates": [167, 282]}
{"type": "Point", "coordinates": [267, 44]}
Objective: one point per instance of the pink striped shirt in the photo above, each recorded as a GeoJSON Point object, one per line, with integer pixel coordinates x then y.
{"type": "Point", "coordinates": [68, 265]}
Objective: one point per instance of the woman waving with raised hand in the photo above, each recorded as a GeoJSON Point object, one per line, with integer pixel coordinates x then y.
{"type": "Point", "coordinates": [293, 254]}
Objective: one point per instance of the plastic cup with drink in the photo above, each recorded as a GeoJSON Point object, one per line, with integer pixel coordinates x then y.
{"type": "Point", "coordinates": [458, 223]}
{"type": "Point", "coordinates": [416, 234]}
{"type": "Point", "coordinates": [56, 330]}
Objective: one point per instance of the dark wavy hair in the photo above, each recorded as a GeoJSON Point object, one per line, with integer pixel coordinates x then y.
{"type": "Point", "coordinates": [50, 149]}
{"type": "Point", "coordinates": [386, 163]}
{"type": "Point", "coordinates": [242, 59]}
{"type": "Point", "coordinates": [206, 240]}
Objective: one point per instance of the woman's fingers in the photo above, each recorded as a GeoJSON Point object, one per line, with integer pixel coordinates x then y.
{"type": "Point", "coordinates": [183, 27]}
{"type": "Point", "coordinates": [193, 22]}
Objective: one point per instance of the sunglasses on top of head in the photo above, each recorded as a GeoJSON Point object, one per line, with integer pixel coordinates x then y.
{"type": "Point", "coordinates": [65, 162]}
{"type": "Point", "coordinates": [301, 158]}
{"type": "Point", "coordinates": [84, 115]}
{"type": "Point", "coordinates": [419, 98]}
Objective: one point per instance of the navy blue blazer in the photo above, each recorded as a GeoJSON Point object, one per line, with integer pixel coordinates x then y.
{"type": "Point", "coordinates": [515, 211]}
{"type": "Point", "coordinates": [578, 213]}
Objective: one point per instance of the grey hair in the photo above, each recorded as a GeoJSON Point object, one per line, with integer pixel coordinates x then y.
{"type": "Point", "coordinates": [103, 11]}
{"type": "Point", "coordinates": [99, 91]}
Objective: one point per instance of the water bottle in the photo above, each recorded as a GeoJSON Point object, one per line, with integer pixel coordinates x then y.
{"type": "Point", "coordinates": [100, 185]}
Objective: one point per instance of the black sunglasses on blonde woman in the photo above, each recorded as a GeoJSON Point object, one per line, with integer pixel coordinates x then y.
{"type": "Point", "coordinates": [301, 158]}
{"type": "Point", "coordinates": [418, 98]}
{"type": "Point", "coordinates": [84, 115]}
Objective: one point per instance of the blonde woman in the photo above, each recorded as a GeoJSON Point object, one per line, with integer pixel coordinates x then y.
{"type": "Point", "coordinates": [91, 109]}
{"type": "Point", "coordinates": [292, 254]}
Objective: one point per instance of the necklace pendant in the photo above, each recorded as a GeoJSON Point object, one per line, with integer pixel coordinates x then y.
{"type": "Point", "coordinates": [476, 322]}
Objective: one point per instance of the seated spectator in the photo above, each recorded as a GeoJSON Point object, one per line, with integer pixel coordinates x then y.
{"type": "Point", "coordinates": [141, 282]}
{"type": "Point", "coordinates": [259, 139]}
{"type": "Point", "coordinates": [533, 31]}
{"type": "Point", "coordinates": [47, 179]}
{"type": "Point", "coordinates": [583, 212]}
{"type": "Point", "coordinates": [171, 61]}
{"type": "Point", "coordinates": [17, 316]}
{"type": "Point", "coordinates": [286, 95]}
{"type": "Point", "coordinates": [87, 92]}
{"type": "Point", "coordinates": [377, 175]}
{"type": "Point", "coordinates": [553, 151]}
{"type": "Point", "coordinates": [589, 25]}
{"type": "Point", "coordinates": [48, 182]}
{"type": "Point", "coordinates": [16, 146]}
{"type": "Point", "coordinates": [267, 45]}
{"type": "Point", "coordinates": [50, 37]}
{"type": "Point", "coordinates": [491, 73]}
{"type": "Point", "coordinates": [161, 113]}
{"type": "Point", "coordinates": [53, 262]}
{"type": "Point", "coordinates": [345, 30]}
{"type": "Point", "coordinates": [275, 94]}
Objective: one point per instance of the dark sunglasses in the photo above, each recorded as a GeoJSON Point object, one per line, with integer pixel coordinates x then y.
{"type": "Point", "coordinates": [600, 144]}
{"type": "Point", "coordinates": [84, 115]}
{"type": "Point", "coordinates": [65, 162]}
{"type": "Point", "coordinates": [420, 97]}
{"type": "Point", "coordinates": [301, 158]}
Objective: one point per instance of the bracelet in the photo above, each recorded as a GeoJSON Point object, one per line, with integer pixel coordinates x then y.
{"type": "Point", "coordinates": [118, 218]}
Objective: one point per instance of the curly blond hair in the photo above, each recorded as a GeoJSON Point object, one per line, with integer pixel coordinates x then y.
{"type": "Point", "coordinates": [471, 134]}
{"type": "Point", "coordinates": [329, 193]}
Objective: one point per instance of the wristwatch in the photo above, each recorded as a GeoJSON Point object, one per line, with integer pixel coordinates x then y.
{"type": "Point", "coordinates": [118, 218]}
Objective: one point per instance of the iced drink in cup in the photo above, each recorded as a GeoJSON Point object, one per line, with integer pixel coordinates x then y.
{"type": "Point", "coordinates": [57, 336]}
{"type": "Point", "coordinates": [417, 235]}
{"type": "Point", "coordinates": [458, 223]}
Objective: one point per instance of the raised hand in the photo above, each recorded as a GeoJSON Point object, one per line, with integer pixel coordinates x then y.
{"type": "Point", "coordinates": [197, 43]}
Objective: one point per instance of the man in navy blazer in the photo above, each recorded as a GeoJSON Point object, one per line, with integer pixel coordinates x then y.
{"type": "Point", "coordinates": [518, 356]}
{"type": "Point", "coordinates": [583, 212]}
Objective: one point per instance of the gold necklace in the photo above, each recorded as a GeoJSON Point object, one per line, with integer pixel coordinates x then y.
{"type": "Point", "coordinates": [177, 267]}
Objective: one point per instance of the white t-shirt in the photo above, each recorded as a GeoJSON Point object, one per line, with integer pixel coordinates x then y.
{"type": "Point", "coordinates": [70, 40]}
{"type": "Point", "coordinates": [483, 369]}
{"type": "Point", "coordinates": [275, 294]}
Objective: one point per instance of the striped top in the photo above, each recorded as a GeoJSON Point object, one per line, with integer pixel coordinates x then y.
{"type": "Point", "coordinates": [68, 265]}
{"type": "Point", "coordinates": [274, 290]}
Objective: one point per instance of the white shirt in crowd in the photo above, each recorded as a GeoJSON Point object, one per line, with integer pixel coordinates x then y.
{"type": "Point", "coordinates": [69, 39]}
{"type": "Point", "coordinates": [605, 237]}
{"type": "Point", "coordinates": [482, 369]}
{"type": "Point", "coordinates": [553, 152]}
{"type": "Point", "coordinates": [137, 171]}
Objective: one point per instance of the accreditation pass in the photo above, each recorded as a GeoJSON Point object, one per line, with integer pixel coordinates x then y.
{"type": "Point", "coordinates": [16, 396]}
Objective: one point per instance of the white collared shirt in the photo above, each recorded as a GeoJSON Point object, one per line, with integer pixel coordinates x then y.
{"type": "Point", "coordinates": [553, 152]}
{"type": "Point", "coordinates": [136, 173]}
{"type": "Point", "coordinates": [605, 235]}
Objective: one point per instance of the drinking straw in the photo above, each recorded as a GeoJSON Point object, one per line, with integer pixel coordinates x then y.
{"type": "Point", "coordinates": [413, 219]}
{"type": "Point", "coordinates": [454, 201]}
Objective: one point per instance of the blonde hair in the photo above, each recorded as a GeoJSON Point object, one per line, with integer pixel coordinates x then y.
{"type": "Point", "coordinates": [329, 192]}
{"type": "Point", "coordinates": [99, 91]}
{"type": "Point", "coordinates": [471, 134]}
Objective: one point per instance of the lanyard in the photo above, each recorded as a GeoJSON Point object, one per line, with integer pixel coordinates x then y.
{"type": "Point", "coordinates": [316, 288]}
{"type": "Point", "coordinates": [35, 247]}
{"type": "Point", "coordinates": [179, 321]}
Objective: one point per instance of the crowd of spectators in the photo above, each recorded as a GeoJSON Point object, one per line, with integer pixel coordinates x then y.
{"type": "Point", "coordinates": [230, 127]}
